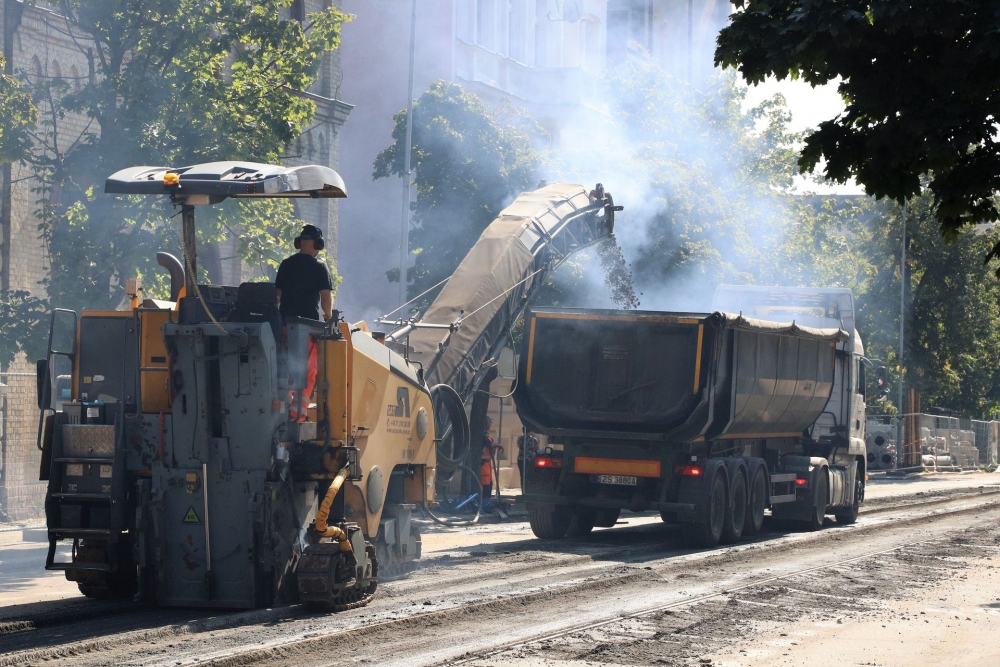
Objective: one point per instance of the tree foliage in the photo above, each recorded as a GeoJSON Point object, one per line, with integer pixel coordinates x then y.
{"type": "Point", "coordinates": [177, 82]}
{"type": "Point", "coordinates": [17, 117]}
{"type": "Point", "coordinates": [952, 322]}
{"type": "Point", "coordinates": [20, 317]}
{"type": "Point", "coordinates": [468, 164]}
{"type": "Point", "coordinates": [920, 82]}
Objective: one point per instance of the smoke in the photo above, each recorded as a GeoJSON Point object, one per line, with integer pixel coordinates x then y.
{"type": "Point", "coordinates": [706, 189]}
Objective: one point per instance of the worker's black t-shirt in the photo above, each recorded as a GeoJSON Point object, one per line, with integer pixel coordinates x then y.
{"type": "Point", "coordinates": [301, 277]}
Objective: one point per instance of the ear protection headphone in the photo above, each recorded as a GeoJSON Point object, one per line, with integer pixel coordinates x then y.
{"type": "Point", "coordinates": [313, 233]}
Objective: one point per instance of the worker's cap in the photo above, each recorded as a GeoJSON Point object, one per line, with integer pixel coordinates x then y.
{"type": "Point", "coordinates": [310, 232]}
{"type": "Point", "coordinates": [489, 420]}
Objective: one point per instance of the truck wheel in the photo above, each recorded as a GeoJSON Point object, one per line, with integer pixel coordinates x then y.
{"type": "Point", "coordinates": [818, 513]}
{"type": "Point", "coordinates": [757, 500]}
{"type": "Point", "coordinates": [607, 518]}
{"type": "Point", "coordinates": [549, 524]}
{"type": "Point", "coordinates": [850, 515]}
{"type": "Point", "coordinates": [709, 532]}
{"type": "Point", "coordinates": [582, 522]}
{"type": "Point", "coordinates": [736, 511]}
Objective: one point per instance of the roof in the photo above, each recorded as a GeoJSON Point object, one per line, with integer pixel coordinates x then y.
{"type": "Point", "coordinates": [214, 181]}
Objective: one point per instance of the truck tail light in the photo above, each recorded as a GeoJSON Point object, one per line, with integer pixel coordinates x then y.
{"type": "Point", "coordinates": [689, 471]}
{"type": "Point", "coordinates": [801, 483]}
{"type": "Point", "coordinates": [548, 462]}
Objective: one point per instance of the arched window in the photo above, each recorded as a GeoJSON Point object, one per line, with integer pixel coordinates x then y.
{"type": "Point", "coordinates": [75, 74]}
{"type": "Point", "coordinates": [56, 70]}
{"type": "Point", "coordinates": [36, 69]}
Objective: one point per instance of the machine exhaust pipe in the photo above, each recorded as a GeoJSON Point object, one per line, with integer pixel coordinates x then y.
{"type": "Point", "coordinates": [176, 269]}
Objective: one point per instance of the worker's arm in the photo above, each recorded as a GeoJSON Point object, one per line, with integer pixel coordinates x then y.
{"type": "Point", "coordinates": [279, 295]}
{"type": "Point", "coordinates": [326, 301]}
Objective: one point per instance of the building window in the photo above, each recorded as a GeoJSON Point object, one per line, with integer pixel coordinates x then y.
{"type": "Point", "coordinates": [630, 30]}
{"type": "Point", "coordinates": [485, 23]}
{"type": "Point", "coordinates": [591, 42]}
{"type": "Point", "coordinates": [299, 10]}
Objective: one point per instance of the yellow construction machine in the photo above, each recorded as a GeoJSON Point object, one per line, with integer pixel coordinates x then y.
{"type": "Point", "coordinates": [173, 464]}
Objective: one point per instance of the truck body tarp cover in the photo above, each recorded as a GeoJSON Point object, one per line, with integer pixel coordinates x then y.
{"type": "Point", "coordinates": [672, 375]}
{"type": "Point", "coordinates": [503, 256]}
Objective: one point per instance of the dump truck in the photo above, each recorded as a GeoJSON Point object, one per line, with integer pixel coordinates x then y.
{"type": "Point", "coordinates": [710, 418]}
{"type": "Point", "coordinates": [188, 461]}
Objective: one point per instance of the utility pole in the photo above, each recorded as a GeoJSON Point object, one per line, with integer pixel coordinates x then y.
{"type": "Point", "coordinates": [902, 323]}
{"type": "Point", "coordinates": [404, 242]}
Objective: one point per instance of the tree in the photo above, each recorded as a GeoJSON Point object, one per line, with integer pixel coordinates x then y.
{"type": "Point", "coordinates": [920, 83]}
{"type": "Point", "coordinates": [177, 82]}
{"type": "Point", "coordinates": [469, 163]}
{"type": "Point", "coordinates": [952, 307]}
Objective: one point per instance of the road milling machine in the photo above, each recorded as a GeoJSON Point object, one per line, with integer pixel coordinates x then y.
{"type": "Point", "coordinates": [187, 466]}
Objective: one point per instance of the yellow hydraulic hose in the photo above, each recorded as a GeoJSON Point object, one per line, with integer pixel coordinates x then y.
{"type": "Point", "coordinates": [324, 513]}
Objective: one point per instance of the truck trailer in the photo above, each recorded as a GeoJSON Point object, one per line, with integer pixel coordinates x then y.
{"type": "Point", "coordinates": [709, 418]}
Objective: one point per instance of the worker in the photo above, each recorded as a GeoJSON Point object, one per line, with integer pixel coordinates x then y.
{"type": "Point", "coordinates": [305, 287]}
{"type": "Point", "coordinates": [304, 283]}
{"type": "Point", "coordinates": [486, 461]}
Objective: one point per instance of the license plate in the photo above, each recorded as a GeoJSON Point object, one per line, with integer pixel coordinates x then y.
{"type": "Point", "coordinates": [617, 479]}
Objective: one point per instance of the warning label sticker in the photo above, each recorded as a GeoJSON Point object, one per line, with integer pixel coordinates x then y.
{"type": "Point", "coordinates": [191, 516]}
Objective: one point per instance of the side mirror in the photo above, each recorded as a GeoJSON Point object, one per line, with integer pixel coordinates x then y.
{"type": "Point", "coordinates": [62, 332]}
{"type": "Point", "coordinates": [43, 384]}
{"type": "Point", "coordinates": [882, 382]}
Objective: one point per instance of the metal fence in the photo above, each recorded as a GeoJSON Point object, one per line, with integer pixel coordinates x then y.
{"type": "Point", "coordinates": [944, 443]}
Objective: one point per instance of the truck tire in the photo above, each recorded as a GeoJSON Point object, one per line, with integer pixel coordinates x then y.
{"type": "Point", "coordinates": [850, 515]}
{"type": "Point", "coordinates": [736, 509]}
{"type": "Point", "coordinates": [606, 518]}
{"type": "Point", "coordinates": [818, 513]}
{"type": "Point", "coordinates": [756, 502]}
{"type": "Point", "coordinates": [549, 524]}
{"type": "Point", "coordinates": [708, 533]}
{"type": "Point", "coordinates": [581, 522]}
